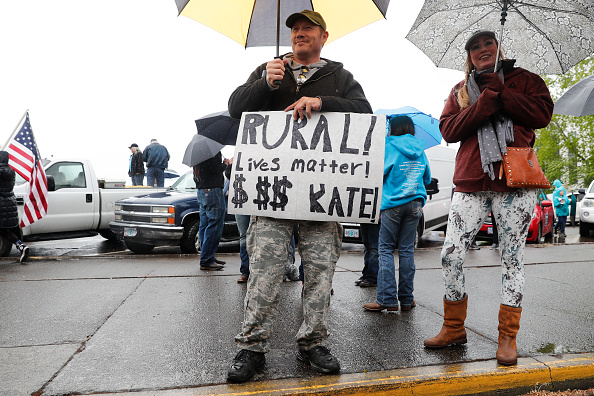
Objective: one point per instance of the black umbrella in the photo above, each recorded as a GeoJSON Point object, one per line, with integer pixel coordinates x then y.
{"type": "Point", "coordinates": [215, 131]}
{"type": "Point", "coordinates": [220, 127]}
{"type": "Point", "coordinates": [578, 100]}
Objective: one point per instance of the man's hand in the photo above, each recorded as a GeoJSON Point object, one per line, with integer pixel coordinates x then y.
{"type": "Point", "coordinates": [275, 70]}
{"type": "Point", "coordinates": [305, 104]}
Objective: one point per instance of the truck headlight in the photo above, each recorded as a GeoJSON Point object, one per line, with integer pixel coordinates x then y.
{"type": "Point", "coordinates": [159, 220]}
{"type": "Point", "coordinates": [118, 217]}
{"type": "Point", "coordinates": [588, 203]}
{"type": "Point", "coordinates": [117, 207]}
{"type": "Point", "coordinates": [163, 209]}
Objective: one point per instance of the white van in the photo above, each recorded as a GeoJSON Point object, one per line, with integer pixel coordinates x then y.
{"type": "Point", "coordinates": [442, 160]}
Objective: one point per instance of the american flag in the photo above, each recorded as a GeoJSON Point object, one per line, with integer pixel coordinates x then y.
{"type": "Point", "coordinates": [24, 158]}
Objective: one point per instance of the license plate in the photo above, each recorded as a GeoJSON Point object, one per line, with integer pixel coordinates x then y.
{"type": "Point", "coordinates": [489, 230]}
{"type": "Point", "coordinates": [129, 232]}
{"type": "Point", "coordinates": [350, 233]}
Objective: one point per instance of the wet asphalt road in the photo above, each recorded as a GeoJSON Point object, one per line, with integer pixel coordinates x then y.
{"type": "Point", "coordinates": [85, 316]}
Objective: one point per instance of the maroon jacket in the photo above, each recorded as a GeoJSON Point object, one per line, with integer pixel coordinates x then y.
{"type": "Point", "coordinates": [525, 99]}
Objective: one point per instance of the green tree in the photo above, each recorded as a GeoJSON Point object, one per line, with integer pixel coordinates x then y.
{"type": "Point", "coordinates": [565, 147]}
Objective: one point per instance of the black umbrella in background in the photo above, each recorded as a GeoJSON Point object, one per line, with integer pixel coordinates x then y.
{"type": "Point", "coordinates": [215, 131]}
{"type": "Point", "coordinates": [578, 100]}
{"type": "Point", "coordinates": [220, 127]}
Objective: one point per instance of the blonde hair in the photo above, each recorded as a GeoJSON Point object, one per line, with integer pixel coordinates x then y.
{"type": "Point", "coordinates": [462, 94]}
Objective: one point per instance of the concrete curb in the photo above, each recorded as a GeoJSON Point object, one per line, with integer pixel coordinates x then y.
{"type": "Point", "coordinates": [546, 372]}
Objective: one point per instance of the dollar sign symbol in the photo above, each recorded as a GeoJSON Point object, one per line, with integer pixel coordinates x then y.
{"type": "Point", "coordinates": [280, 198]}
{"type": "Point", "coordinates": [262, 187]}
{"type": "Point", "coordinates": [240, 195]}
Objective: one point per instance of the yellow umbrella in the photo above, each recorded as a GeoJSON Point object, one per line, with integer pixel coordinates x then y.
{"type": "Point", "coordinates": [255, 23]}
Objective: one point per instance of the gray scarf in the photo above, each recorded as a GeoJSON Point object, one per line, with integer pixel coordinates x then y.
{"type": "Point", "coordinates": [494, 134]}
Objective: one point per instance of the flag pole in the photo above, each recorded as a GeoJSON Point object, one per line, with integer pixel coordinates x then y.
{"type": "Point", "coordinates": [15, 130]}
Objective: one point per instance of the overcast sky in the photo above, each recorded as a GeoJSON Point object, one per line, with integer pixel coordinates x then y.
{"type": "Point", "coordinates": [98, 75]}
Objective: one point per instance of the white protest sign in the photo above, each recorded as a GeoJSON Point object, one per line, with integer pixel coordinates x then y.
{"type": "Point", "coordinates": [327, 168]}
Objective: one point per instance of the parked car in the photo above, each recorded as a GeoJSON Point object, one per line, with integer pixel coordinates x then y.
{"type": "Point", "coordinates": [169, 218]}
{"type": "Point", "coordinates": [585, 211]}
{"type": "Point", "coordinates": [541, 224]}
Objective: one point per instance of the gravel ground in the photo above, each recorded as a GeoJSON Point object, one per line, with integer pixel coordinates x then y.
{"type": "Point", "coordinates": [586, 392]}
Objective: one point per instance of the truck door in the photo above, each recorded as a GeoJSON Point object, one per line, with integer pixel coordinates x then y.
{"type": "Point", "coordinates": [73, 206]}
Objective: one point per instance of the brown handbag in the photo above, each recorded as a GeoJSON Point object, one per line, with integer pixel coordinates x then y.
{"type": "Point", "coordinates": [522, 169]}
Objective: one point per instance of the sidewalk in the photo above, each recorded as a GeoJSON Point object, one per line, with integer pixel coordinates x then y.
{"type": "Point", "coordinates": [157, 325]}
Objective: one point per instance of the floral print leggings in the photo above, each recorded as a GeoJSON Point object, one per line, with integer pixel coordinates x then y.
{"type": "Point", "coordinates": [512, 211]}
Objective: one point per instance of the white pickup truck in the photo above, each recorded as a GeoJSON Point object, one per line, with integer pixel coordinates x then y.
{"type": "Point", "coordinates": [78, 203]}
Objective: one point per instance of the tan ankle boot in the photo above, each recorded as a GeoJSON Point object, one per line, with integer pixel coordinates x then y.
{"type": "Point", "coordinates": [453, 331]}
{"type": "Point", "coordinates": [509, 324]}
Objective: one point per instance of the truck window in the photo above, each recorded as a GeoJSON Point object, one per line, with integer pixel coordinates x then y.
{"type": "Point", "coordinates": [68, 175]}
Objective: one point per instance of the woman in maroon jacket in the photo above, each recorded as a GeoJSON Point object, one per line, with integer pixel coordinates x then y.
{"type": "Point", "coordinates": [488, 112]}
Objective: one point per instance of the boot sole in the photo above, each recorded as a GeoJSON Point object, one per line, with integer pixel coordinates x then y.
{"type": "Point", "coordinates": [455, 343]}
{"type": "Point", "coordinates": [314, 366]}
{"type": "Point", "coordinates": [507, 363]}
{"type": "Point", "coordinates": [238, 379]}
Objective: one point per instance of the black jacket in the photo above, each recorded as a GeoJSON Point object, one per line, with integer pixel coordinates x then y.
{"type": "Point", "coordinates": [136, 164]}
{"type": "Point", "coordinates": [9, 215]}
{"type": "Point", "coordinates": [209, 173]}
{"type": "Point", "coordinates": [335, 86]}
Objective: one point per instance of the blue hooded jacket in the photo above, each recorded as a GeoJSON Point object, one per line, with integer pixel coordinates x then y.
{"type": "Point", "coordinates": [561, 209]}
{"type": "Point", "coordinates": [406, 171]}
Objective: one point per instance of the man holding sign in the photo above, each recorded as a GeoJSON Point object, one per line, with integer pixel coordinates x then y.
{"type": "Point", "coordinates": [300, 82]}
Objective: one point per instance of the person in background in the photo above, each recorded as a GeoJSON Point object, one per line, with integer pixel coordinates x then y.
{"type": "Point", "coordinates": [370, 236]}
{"type": "Point", "coordinates": [156, 157]}
{"type": "Point", "coordinates": [491, 109]}
{"type": "Point", "coordinates": [136, 168]}
{"type": "Point", "coordinates": [495, 243]}
{"type": "Point", "coordinates": [9, 215]}
{"type": "Point", "coordinates": [561, 204]}
{"type": "Point", "coordinates": [572, 208]}
{"type": "Point", "coordinates": [406, 172]}
{"type": "Point", "coordinates": [307, 83]}
{"type": "Point", "coordinates": [209, 179]}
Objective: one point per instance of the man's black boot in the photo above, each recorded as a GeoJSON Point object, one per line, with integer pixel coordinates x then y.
{"type": "Point", "coordinates": [244, 365]}
{"type": "Point", "coordinates": [320, 359]}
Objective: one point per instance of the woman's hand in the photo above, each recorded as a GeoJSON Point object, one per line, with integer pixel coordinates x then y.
{"type": "Point", "coordinates": [492, 81]}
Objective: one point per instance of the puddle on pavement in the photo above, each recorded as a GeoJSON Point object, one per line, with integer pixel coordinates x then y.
{"type": "Point", "coordinates": [552, 348]}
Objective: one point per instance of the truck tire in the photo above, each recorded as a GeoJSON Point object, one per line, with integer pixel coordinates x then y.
{"type": "Point", "coordinates": [584, 229]}
{"type": "Point", "coordinates": [139, 248]}
{"type": "Point", "coordinates": [109, 235]}
{"type": "Point", "coordinates": [190, 242]}
{"type": "Point", "coordinates": [5, 247]}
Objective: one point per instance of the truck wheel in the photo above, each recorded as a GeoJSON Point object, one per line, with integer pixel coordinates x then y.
{"type": "Point", "coordinates": [5, 247]}
{"type": "Point", "coordinates": [190, 242]}
{"type": "Point", "coordinates": [109, 235]}
{"type": "Point", "coordinates": [584, 229]}
{"type": "Point", "coordinates": [139, 248]}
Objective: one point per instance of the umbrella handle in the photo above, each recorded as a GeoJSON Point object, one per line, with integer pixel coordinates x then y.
{"type": "Point", "coordinates": [277, 82]}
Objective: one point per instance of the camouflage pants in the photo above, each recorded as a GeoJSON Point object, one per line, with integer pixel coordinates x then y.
{"type": "Point", "coordinates": [512, 212]}
{"type": "Point", "coordinates": [268, 242]}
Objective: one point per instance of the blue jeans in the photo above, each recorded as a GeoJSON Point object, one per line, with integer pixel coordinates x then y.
{"type": "Point", "coordinates": [155, 174]}
{"type": "Point", "coordinates": [212, 219]}
{"type": "Point", "coordinates": [398, 230]}
{"type": "Point", "coordinates": [138, 180]}
{"type": "Point", "coordinates": [243, 222]}
{"type": "Point", "coordinates": [370, 236]}
{"type": "Point", "coordinates": [561, 221]}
